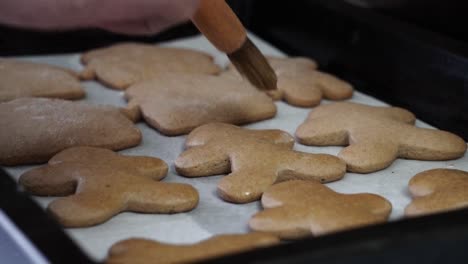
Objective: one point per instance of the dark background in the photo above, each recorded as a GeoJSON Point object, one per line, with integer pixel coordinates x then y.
{"type": "Point", "coordinates": [447, 17]}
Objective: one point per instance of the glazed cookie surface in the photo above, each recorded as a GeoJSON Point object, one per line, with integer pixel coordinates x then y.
{"type": "Point", "coordinates": [27, 79]}
{"type": "Point", "coordinates": [100, 183]}
{"type": "Point", "coordinates": [35, 129]}
{"type": "Point", "coordinates": [147, 251]}
{"type": "Point", "coordinates": [438, 190]}
{"type": "Point", "coordinates": [301, 84]}
{"type": "Point", "coordinates": [122, 65]}
{"type": "Point", "coordinates": [296, 209]}
{"type": "Point", "coordinates": [175, 104]}
{"type": "Point", "coordinates": [254, 160]}
{"type": "Point", "coordinates": [376, 136]}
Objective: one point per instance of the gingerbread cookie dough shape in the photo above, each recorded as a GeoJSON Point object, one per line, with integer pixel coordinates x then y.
{"type": "Point", "coordinates": [122, 65]}
{"type": "Point", "coordinates": [301, 84]}
{"type": "Point", "coordinates": [26, 79]}
{"type": "Point", "coordinates": [295, 209]}
{"type": "Point", "coordinates": [176, 104]}
{"type": "Point", "coordinates": [101, 183]}
{"type": "Point", "coordinates": [376, 136]}
{"type": "Point", "coordinates": [147, 251]}
{"type": "Point", "coordinates": [35, 129]}
{"type": "Point", "coordinates": [438, 190]}
{"type": "Point", "coordinates": [254, 160]}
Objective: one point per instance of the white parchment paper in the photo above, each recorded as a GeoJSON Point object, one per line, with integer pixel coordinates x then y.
{"type": "Point", "coordinates": [214, 216]}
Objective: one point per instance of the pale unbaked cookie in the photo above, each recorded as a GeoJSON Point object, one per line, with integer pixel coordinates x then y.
{"type": "Point", "coordinates": [34, 129]}
{"type": "Point", "coordinates": [295, 209]}
{"type": "Point", "coordinates": [142, 251]}
{"type": "Point", "coordinates": [100, 183]}
{"type": "Point", "coordinates": [438, 190]}
{"type": "Point", "coordinates": [301, 84]}
{"type": "Point", "coordinates": [255, 160]}
{"type": "Point", "coordinates": [27, 79]}
{"type": "Point", "coordinates": [122, 65]}
{"type": "Point", "coordinates": [175, 104]}
{"type": "Point", "coordinates": [376, 136]}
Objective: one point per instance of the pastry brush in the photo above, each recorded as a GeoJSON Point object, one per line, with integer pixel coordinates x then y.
{"type": "Point", "coordinates": [216, 20]}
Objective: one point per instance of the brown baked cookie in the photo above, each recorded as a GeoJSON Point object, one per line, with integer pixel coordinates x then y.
{"type": "Point", "coordinates": [301, 84]}
{"type": "Point", "coordinates": [147, 251]}
{"type": "Point", "coordinates": [295, 209]}
{"type": "Point", "coordinates": [254, 161]}
{"type": "Point", "coordinates": [100, 183]}
{"type": "Point", "coordinates": [35, 129]}
{"type": "Point", "coordinates": [122, 65]}
{"type": "Point", "coordinates": [175, 104]}
{"type": "Point", "coordinates": [26, 79]}
{"type": "Point", "coordinates": [438, 190]}
{"type": "Point", "coordinates": [376, 136]}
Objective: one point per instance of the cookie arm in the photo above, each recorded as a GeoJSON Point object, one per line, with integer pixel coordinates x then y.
{"type": "Point", "coordinates": [159, 197]}
{"type": "Point", "coordinates": [86, 208]}
{"type": "Point", "coordinates": [306, 166]}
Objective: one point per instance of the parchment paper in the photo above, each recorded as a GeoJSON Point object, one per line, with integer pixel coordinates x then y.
{"type": "Point", "coordinates": [214, 216]}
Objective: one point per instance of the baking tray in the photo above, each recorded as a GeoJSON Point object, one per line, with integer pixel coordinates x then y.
{"type": "Point", "coordinates": [214, 216]}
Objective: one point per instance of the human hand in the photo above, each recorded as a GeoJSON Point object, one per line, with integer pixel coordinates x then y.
{"type": "Point", "coordinates": [134, 17]}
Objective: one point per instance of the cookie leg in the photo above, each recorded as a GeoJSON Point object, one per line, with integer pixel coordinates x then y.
{"type": "Point", "coordinates": [299, 93]}
{"type": "Point", "coordinates": [305, 166]}
{"type": "Point", "coordinates": [202, 161]}
{"type": "Point", "coordinates": [160, 197]}
{"type": "Point", "coordinates": [365, 157]}
{"type": "Point", "coordinates": [286, 224]}
{"type": "Point", "coordinates": [245, 185]}
{"type": "Point", "coordinates": [48, 181]}
{"type": "Point", "coordinates": [86, 209]}
{"type": "Point", "coordinates": [321, 132]}
{"type": "Point", "coordinates": [431, 144]}
{"type": "Point", "coordinates": [332, 87]}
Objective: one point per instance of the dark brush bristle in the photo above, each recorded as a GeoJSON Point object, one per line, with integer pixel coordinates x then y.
{"type": "Point", "coordinates": [251, 64]}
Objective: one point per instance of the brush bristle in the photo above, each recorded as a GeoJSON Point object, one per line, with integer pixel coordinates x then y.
{"type": "Point", "coordinates": [251, 64]}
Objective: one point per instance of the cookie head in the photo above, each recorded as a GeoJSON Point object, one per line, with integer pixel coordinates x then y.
{"type": "Point", "coordinates": [295, 209]}
{"type": "Point", "coordinates": [436, 191]}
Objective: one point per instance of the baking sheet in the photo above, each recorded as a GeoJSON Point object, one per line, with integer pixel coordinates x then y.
{"type": "Point", "coordinates": [214, 216]}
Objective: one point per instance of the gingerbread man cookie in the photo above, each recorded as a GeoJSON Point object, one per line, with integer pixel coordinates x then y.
{"type": "Point", "coordinates": [175, 104]}
{"type": "Point", "coordinates": [295, 209]}
{"type": "Point", "coordinates": [301, 84]}
{"type": "Point", "coordinates": [376, 136]}
{"type": "Point", "coordinates": [122, 65]}
{"type": "Point", "coordinates": [26, 79]}
{"type": "Point", "coordinates": [34, 129]}
{"type": "Point", "coordinates": [147, 251]}
{"type": "Point", "coordinates": [438, 190]}
{"type": "Point", "coordinates": [254, 161]}
{"type": "Point", "coordinates": [100, 183]}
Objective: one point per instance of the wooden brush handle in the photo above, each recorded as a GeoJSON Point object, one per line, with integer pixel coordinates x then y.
{"type": "Point", "coordinates": [216, 20]}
